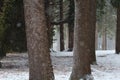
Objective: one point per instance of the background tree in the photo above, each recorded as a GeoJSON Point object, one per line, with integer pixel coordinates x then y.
{"type": "Point", "coordinates": [116, 4]}
{"type": "Point", "coordinates": [1, 4]}
{"type": "Point", "coordinates": [99, 13]}
{"type": "Point", "coordinates": [81, 67]}
{"type": "Point", "coordinates": [37, 41]}
{"type": "Point", "coordinates": [71, 24]}
{"type": "Point", "coordinates": [59, 19]}
{"type": "Point", "coordinates": [1, 32]}
{"type": "Point", "coordinates": [49, 11]}
{"type": "Point", "coordinates": [106, 21]}
{"type": "Point", "coordinates": [13, 37]}
{"type": "Point", "coordinates": [61, 26]}
{"type": "Point", "coordinates": [2, 51]}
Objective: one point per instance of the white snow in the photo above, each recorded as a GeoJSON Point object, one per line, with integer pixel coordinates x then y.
{"type": "Point", "coordinates": [13, 75]}
{"type": "Point", "coordinates": [108, 68]}
{"type": "Point", "coordinates": [98, 53]}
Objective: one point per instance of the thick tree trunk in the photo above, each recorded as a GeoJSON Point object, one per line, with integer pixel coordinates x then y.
{"type": "Point", "coordinates": [92, 31]}
{"type": "Point", "coordinates": [81, 67]}
{"type": "Point", "coordinates": [37, 41]}
{"type": "Point", "coordinates": [61, 27]}
{"type": "Point", "coordinates": [118, 32]}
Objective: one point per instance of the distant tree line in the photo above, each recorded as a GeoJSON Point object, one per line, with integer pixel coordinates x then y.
{"type": "Point", "coordinates": [12, 27]}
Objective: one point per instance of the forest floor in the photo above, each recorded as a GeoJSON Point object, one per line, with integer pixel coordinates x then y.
{"type": "Point", "coordinates": [15, 66]}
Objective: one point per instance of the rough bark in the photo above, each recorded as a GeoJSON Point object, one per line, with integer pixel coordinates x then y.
{"type": "Point", "coordinates": [118, 32]}
{"type": "Point", "coordinates": [61, 26]}
{"type": "Point", "coordinates": [92, 29]}
{"type": "Point", "coordinates": [37, 41]}
{"type": "Point", "coordinates": [81, 67]}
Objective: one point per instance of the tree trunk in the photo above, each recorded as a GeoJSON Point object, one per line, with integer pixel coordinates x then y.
{"type": "Point", "coordinates": [81, 67]}
{"type": "Point", "coordinates": [118, 32]}
{"type": "Point", "coordinates": [61, 27]}
{"type": "Point", "coordinates": [71, 32]}
{"type": "Point", "coordinates": [2, 47]}
{"type": "Point", "coordinates": [37, 41]}
{"type": "Point", "coordinates": [92, 31]}
{"type": "Point", "coordinates": [96, 39]}
{"type": "Point", "coordinates": [104, 39]}
{"type": "Point", "coordinates": [71, 25]}
{"type": "Point", "coordinates": [1, 4]}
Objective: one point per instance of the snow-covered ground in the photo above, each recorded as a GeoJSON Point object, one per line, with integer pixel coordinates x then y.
{"type": "Point", "coordinates": [108, 67]}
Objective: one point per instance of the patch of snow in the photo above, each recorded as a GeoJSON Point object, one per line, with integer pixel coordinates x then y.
{"type": "Point", "coordinates": [98, 53]}
{"type": "Point", "coordinates": [13, 75]}
{"type": "Point", "coordinates": [62, 76]}
{"type": "Point", "coordinates": [108, 67]}
{"type": "Point", "coordinates": [101, 75]}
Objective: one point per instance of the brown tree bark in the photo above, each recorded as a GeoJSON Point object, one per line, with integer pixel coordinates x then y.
{"type": "Point", "coordinates": [37, 41]}
{"type": "Point", "coordinates": [81, 67]}
{"type": "Point", "coordinates": [92, 31]}
{"type": "Point", "coordinates": [118, 32]}
{"type": "Point", "coordinates": [61, 26]}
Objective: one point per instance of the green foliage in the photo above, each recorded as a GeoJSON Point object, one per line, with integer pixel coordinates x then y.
{"type": "Point", "coordinates": [115, 3]}
{"type": "Point", "coordinates": [12, 27]}
{"type": "Point", "coordinates": [71, 12]}
{"type": "Point", "coordinates": [107, 21]}
{"type": "Point", "coordinates": [100, 9]}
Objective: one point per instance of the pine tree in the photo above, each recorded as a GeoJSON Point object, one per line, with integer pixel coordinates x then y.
{"type": "Point", "coordinates": [92, 29]}
{"type": "Point", "coordinates": [81, 67]}
{"type": "Point", "coordinates": [61, 26]}
{"type": "Point", "coordinates": [12, 21]}
{"type": "Point", "coordinates": [71, 24]}
{"type": "Point", "coordinates": [37, 41]}
{"type": "Point", "coordinates": [116, 4]}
